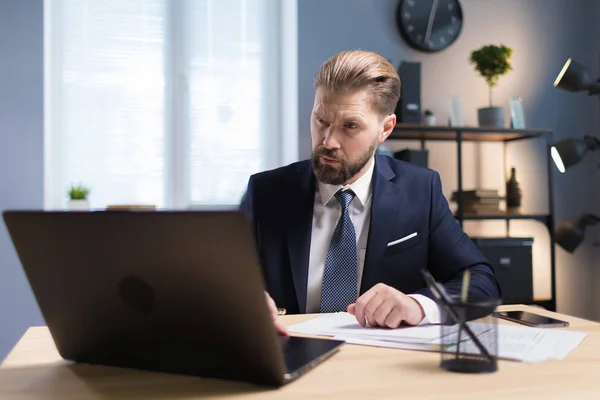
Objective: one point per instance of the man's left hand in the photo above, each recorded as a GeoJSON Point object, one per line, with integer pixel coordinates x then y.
{"type": "Point", "coordinates": [383, 306]}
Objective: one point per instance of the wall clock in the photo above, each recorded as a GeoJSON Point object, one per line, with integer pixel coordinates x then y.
{"type": "Point", "coordinates": [429, 25]}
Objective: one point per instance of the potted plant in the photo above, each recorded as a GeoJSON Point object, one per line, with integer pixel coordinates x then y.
{"type": "Point", "coordinates": [429, 118]}
{"type": "Point", "coordinates": [78, 197]}
{"type": "Point", "coordinates": [491, 62]}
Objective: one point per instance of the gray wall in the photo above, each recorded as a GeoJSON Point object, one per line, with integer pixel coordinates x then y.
{"type": "Point", "coordinates": [543, 33]}
{"type": "Point", "coordinates": [21, 152]}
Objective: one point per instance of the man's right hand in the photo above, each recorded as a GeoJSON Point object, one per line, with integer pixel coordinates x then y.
{"type": "Point", "coordinates": [275, 315]}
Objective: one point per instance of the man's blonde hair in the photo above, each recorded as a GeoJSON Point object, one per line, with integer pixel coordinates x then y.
{"type": "Point", "coordinates": [362, 70]}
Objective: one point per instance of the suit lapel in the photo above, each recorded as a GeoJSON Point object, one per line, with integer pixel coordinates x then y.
{"type": "Point", "coordinates": [385, 203]}
{"type": "Point", "coordinates": [299, 229]}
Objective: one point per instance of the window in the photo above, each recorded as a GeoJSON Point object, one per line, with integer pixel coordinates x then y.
{"type": "Point", "coordinates": [163, 102]}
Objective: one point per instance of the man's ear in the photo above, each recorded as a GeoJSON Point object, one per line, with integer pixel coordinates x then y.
{"type": "Point", "coordinates": [389, 123]}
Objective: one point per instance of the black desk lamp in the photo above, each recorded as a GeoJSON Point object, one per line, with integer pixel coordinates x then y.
{"type": "Point", "coordinates": [568, 152]}
{"type": "Point", "coordinates": [574, 77]}
{"type": "Point", "coordinates": [570, 234]}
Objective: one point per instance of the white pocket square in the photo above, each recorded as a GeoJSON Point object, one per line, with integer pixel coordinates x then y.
{"type": "Point", "coordinates": [405, 238]}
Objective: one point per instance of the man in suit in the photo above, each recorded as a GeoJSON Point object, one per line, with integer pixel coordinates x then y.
{"type": "Point", "coordinates": [350, 230]}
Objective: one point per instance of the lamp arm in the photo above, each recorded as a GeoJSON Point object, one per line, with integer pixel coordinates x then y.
{"type": "Point", "coordinates": [594, 89]}
{"type": "Point", "coordinates": [589, 220]}
{"type": "Point", "coordinates": [592, 142]}
{"type": "Point", "coordinates": [595, 220]}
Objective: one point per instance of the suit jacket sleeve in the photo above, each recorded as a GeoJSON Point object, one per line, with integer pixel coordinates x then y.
{"type": "Point", "coordinates": [451, 251]}
{"type": "Point", "coordinates": [246, 203]}
{"type": "Point", "coordinates": [247, 206]}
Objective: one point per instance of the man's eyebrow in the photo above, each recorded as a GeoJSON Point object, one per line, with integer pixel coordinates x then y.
{"type": "Point", "coordinates": [353, 117]}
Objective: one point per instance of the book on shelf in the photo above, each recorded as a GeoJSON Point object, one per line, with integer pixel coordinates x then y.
{"type": "Point", "coordinates": [482, 212]}
{"type": "Point", "coordinates": [480, 202]}
{"type": "Point", "coordinates": [478, 195]}
{"type": "Point", "coordinates": [481, 207]}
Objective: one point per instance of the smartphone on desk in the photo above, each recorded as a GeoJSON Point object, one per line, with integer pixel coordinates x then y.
{"type": "Point", "coordinates": [530, 319]}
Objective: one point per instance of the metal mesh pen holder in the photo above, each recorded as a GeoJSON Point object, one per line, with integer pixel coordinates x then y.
{"type": "Point", "coordinates": [469, 336]}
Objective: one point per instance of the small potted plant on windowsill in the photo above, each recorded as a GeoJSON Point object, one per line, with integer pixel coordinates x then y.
{"type": "Point", "coordinates": [78, 197]}
{"type": "Point", "coordinates": [429, 118]}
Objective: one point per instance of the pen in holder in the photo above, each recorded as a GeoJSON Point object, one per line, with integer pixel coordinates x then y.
{"type": "Point", "coordinates": [469, 334]}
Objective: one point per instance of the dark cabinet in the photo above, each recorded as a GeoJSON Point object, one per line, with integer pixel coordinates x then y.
{"type": "Point", "coordinates": [512, 260]}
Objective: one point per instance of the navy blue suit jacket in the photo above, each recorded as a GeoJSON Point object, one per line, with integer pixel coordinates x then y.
{"type": "Point", "coordinates": [406, 199]}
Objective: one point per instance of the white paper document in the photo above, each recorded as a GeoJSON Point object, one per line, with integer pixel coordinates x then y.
{"type": "Point", "coordinates": [345, 324]}
{"type": "Point", "coordinates": [519, 343]}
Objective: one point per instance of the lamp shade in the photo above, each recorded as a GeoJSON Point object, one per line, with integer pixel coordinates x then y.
{"type": "Point", "coordinates": [568, 152]}
{"type": "Point", "coordinates": [574, 77]}
{"type": "Point", "coordinates": [570, 234]}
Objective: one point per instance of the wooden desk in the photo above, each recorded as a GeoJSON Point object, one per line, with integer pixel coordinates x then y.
{"type": "Point", "coordinates": [34, 370]}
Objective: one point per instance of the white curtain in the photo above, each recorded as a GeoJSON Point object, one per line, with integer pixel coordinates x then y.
{"type": "Point", "coordinates": [160, 102]}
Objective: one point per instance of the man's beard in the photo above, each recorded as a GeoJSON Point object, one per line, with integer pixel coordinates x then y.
{"type": "Point", "coordinates": [338, 176]}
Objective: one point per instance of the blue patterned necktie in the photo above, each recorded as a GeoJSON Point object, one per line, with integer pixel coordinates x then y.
{"type": "Point", "coordinates": [340, 275]}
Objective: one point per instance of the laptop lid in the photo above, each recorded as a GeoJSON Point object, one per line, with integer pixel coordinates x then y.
{"type": "Point", "coordinates": [170, 291]}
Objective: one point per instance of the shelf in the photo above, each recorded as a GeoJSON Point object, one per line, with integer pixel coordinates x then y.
{"type": "Point", "coordinates": [469, 133]}
{"type": "Point", "coordinates": [543, 218]}
{"type": "Point", "coordinates": [460, 134]}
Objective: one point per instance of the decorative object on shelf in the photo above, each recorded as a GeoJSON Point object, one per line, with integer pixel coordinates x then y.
{"type": "Point", "coordinates": [569, 152]}
{"type": "Point", "coordinates": [408, 108]}
{"type": "Point", "coordinates": [491, 62]}
{"type": "Point", "coordinates": [513, 191]}
{"type": "Point", "coordinates": [429, 118]}
{"type": "Point", "coordinates": [570, 234]}
{"type": "Point", "coordinates": [517, 116]}
{"type": "Point", "coordinates": [455, 117]}
{"type": "Point", "coordinates": [78, 198]}
{"type": "Point", "coordinates": [574, 77]}
{"type": "Point", "coordinates": [429, 26]}
{"type": "Point", "coordinates": [479, 201]}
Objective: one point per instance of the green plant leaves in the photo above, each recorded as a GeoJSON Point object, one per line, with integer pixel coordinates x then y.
{"type": "Point", "coordinates": [78, 192]}
{"type": "Point", "coordinates": [491, 62]}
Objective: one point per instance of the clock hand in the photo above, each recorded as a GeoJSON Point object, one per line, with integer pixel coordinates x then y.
{"type": "Point", "coordinates": [430, 22]}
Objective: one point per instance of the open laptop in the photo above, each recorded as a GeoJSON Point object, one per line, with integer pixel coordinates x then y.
{"type": "Point", "coordinates": [168, 291]}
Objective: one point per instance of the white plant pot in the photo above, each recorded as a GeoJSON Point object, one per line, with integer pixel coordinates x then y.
{"type": "Point", "coordinates": [430, 120]}
{"type": "Point", "coordinates": [79, 205]}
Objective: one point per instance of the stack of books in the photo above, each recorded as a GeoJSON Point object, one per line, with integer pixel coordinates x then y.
{"type": "Point", "coordinates": [480, 201]}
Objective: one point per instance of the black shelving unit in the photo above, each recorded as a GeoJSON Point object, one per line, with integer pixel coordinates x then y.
{"type": "Point", "coordinates": [502, 135]}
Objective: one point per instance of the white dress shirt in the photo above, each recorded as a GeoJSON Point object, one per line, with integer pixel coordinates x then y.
{"type": "Point", "coordinates": [327, 211]}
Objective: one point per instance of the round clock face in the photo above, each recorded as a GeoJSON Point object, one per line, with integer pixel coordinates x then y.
{"type": "Point", "coordinates": [429, 25]}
